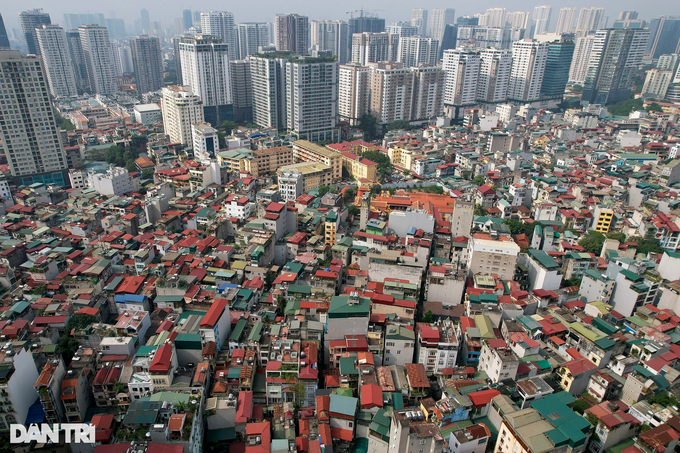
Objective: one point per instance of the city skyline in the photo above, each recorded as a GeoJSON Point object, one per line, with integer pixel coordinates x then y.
{"type": "Point", "coordinates": [390, 11]}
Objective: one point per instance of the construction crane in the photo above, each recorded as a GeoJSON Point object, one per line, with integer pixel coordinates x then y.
{"type": "Point", "coordinates": [361, 15]}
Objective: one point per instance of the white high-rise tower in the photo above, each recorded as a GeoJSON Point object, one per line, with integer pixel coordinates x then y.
{"type": "Point", "coordinates": [565, 22]}
{"type": "Point", "coordinates": [220, 24]}
{"type": "Point", "coordinates": [55, 55]}
{"type": "Point", "coordinates": [98, 57]}
{"type": "Point", "coordinates": [529, 58]}
{"type": "Point", "coordinates": [29, 133]}
{"type": "Point", "coordinates": [540, 20]}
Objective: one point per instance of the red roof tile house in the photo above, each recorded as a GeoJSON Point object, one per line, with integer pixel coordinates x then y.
{"type": "Point", "coordinates": [216, 324]}
{"type": "Point", "coordinates": [662, 439]}
{"type": "Point", "coordinates": [574, 376]}
{"type": "Point", "coordinates": [615, 425]}
{"type": "Point", "coordinates": [258, 437]}
{"type": "Point", "coordinates": [163, 365]}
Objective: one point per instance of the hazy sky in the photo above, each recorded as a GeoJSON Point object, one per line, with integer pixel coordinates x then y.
{"type": "Point", "coordinates": [265, 10]}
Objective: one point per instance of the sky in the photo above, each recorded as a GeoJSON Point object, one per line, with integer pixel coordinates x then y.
{"type": "Point", "coordinates": [264, 10]}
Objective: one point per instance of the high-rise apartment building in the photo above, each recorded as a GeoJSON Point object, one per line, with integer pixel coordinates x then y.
{"type": "Point", "coordinates": [175, 46]}
{"type": "Point", "coordinates": [565, 21]}
{"type": "Point", "coordinates": [252, 36]}
{"type": "Point", "coordinates": [147, 62]}
{"type": "Point", "coordinates": [529, 58]}
{"type": "Point", "coordinates": [437, 20]}
{"type": "Point", "coordinates": [29, 133]}
{"type": "Point", "coordinates": [181, 108]}
{"type": "Point", "coordinates": [221, 24]}
{"type": "Point", "coordinates": [494, 75]}
{"type": "Point", "coordinates": [657, 83]}
{"type": "Point", "coordinates": [145, 22]}
{"type": "Point", "coordinates": [57, 61]}
{"type": "Point", "coordinates": [484, 37]}
{"type": "Point", "coordinates": [98, 59]}
{"type": "Point", "coordinates": [205, 68]}
{"type": "Point", "coordinates": [517, 19]}
{"type": "Point", "coordinates": [428, 92]}
{"type": "Point", "coordinates": [556, 75]}
{"type": "Point", "coordinates": [540, 20]}
{"type": "Point", "coordinates": [589, 20]}
{"type": "Point", "coordinates": [268, 78]}
{"type": "Point", "coordinates": [77, 58]}
{"type": "Point", "coordinates": [353, 91]}
{"type": "Point", "coordinates": [366, 24]}
{"type": "Point", "coordinates": [462, 74]}
{"type": "Point", "coordinates": [312, 99]}
{"type": "Point", "coordinates": [30, 20]}
{"type": "Point", "coordinates": [494, 17]}
{"type": "Point", "coordinates": [628, 19]}
{"type": "Point", "coordinates": [4, 39]}
{"type": "Point", "coordinates": [664, 36]}
{"type": "Point", "coordinates": [615, 57]}
{"type": "Point", "coordinates": [391, 91]}
{"type": "Point", "coordinates": [291, 33]}
{"type": "Point", "coordinates": [331, 36]}
{"type": "Point", "coordinates": [402, 29]}
{"type": "Point", "coordinates": [419, 19]}
{"type": "Point", "coordinates": [448, 40]}
{"type": "Point", "coordinates": [125, 60]}
{"type": "Point", "coordinates": [242, 90]}
{"type": "Point", "coordinates": [580, 60]}
{"type": "Point", "coordinates": [415, 50]}
{"type": "Point", "coordinates": [187, 21]}
{"type": "Point", "coordinates": [374, 47]}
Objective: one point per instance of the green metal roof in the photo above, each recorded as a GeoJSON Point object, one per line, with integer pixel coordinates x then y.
{"type": "Point", "coordinates": [544, 259]}
{"type": "Point", "coordinates": [344, 405]}
{"type": "Point", "coordinates": [238, 330]}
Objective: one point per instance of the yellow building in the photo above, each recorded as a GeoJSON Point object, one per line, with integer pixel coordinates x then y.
{"type": "Point", "coordinates": [234, 159]}
{"type": "Point", "coordinates": [313, 174]}
{"type": "Point", "coordinates": [360, 168]}
{"type": "Point", "coordinates": [267, 161]}
{"type": "Point", "coordinates": [602, 219]}
{"type": "Point", "coordinates": [330, 228]}
{"type": "Point", "coordinates": [402, 157]}
{"type": "Point", "coordinates": [306, 151]}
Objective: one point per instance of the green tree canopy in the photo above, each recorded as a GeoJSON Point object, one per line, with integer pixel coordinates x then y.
{"type": "Point", "coordinates": [580, 405]}
{"type": "Point", "coordinates": [428, 316]}
{"type": "Point", "coordinates": [592, 242]}
{"type": "Point", "coordinates": [323, 190]}
{"type": "Point", "coordinates": [228, 126]}
{"type": "Point", "coordinates": [369, 124]}
{"type": "Point", "coordinates": [383, 161]}
{"type": "Point", "coordinates": [349, 195]}
{"type": "Point", "coordinates": [480, 210]}
{"type": "Point", "coordinates": [479, 180]}
{"type": "Point", "coordinates": [353, 210]}
{"type": "Point", "coordinates": [80, 322]}
{"type": "Point", "coordinates": [147, 173]}
{"type": "Point", "coordinates": [617, 236]}
{"type": "Point", "coordinates": [646, 245]}
{"type": "Point", "coordinates": [399, 125]}
{"type": "Point", "coordinates": [654, 107]}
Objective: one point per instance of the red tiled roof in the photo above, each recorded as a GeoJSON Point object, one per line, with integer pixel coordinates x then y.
{"type": "Point", "coordinates": [214, 313]}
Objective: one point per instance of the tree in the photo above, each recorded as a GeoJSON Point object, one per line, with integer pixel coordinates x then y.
{"type": "Point", "coordinates": [353, 210]}
{"type": "Point", "coordinates": [221, 140]}
{"type": "Point", "coordinates": [228, 126]}
{"type": "Point", "coordinates": [617, 236]}
{"type": "Point", "coordinates": [376, 189]}
{"type": "Point", "coordinates": [592, 419]}
{"type": "Point", "coordinates": [323, 190]}
{"type": "Point", "coordinates": [654, 107]}
{"type": "Point", "coordinates": [68, 346]}
{"type": "Point", "coordinates": [399, 125]}
{"type": "Point", "coordinates": [517, 227]}
{"type": "Point", "coordinates": [380, 158]}
{"type": "Point", "coordinates": [147, 173]}
{"type": "Point", "coordinates": [623, 108]}
{"type": "Point", "coordinates": [434, 189]}
{"type": "Point", "coordinates": [580, 405]}
{"type": "Point", "coordinates": [428, 316]}
{"type": "Point", "coordinates": [479, 210]}
{"type": "Point", "coordinates": [646, 246]}
{"type": "Point", "coordinates": [369, 124]}
{"type": "Point", "coordinates": [349, 195]}
{"type": "Point", "coordinates": [577, 88]}
{"type": "Point", "coordinates": [80, 322]}
{"type": "Point", "coordinates": [405, 172]}
{"type": "Point", "coordinates": [479, 180]}
{"type": "Point", "coordinates": [592, 242]}
{"type": "Point", "coordinates": [573, 281]}
{"type": "Point", "coordinates": [138, 143]}
{"type": "Point", "coordinates": [663, 399]}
